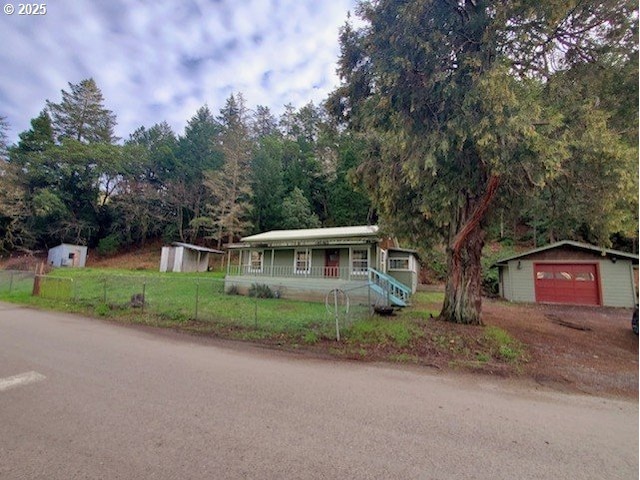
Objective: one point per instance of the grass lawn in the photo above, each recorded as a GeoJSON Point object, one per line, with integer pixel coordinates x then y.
{"type": "Point", "coordinates": [178, 298]}
{"type": "Point", "coordinates": [196, 303]}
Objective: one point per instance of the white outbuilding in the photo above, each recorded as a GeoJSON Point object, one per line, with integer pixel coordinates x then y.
{"type": "Point", "coordinates": [184, 257]}
{"type": "Point", "coordinates": [67, 255]}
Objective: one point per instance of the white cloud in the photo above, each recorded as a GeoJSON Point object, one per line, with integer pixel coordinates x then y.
{"type": "Point", "coordinates": [162, 60]}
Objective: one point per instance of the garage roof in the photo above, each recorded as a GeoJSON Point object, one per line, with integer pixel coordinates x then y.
{"type": "Point", "coordinates": [605, 252]}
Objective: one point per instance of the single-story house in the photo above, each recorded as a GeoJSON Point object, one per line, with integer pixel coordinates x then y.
{"type": "Point", "coordinates": [571, 273]}
{"type": "Point", "coordinates": [67, 255]}
{"type": "Point", "coordinates": [184, 257]}
{"type": "Point", "coordinates": [308, 263]}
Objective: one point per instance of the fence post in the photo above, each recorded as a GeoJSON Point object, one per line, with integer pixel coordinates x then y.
{"type": "Point", "coordinates": [255, 313]}
{"type": "Point", "coordinates": [144, 295]}
{"type": "Point", "coordinates": [104, 290]}
{"type": "Point", "coordinates": [197, 297]}
{"type": "Point", "coordinates": [11, 282]}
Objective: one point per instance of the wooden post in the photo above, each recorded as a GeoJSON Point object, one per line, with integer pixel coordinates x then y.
{"type": "Point", "coordinates": [36, 279]}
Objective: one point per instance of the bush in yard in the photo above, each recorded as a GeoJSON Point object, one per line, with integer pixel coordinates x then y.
{"type": "Point", "coordinates": [109, 244]}
{"type": "Point", "coordinates": [260, 290]}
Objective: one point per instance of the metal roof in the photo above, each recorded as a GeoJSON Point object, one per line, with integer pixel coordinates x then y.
{"type": "Point", "coordinates": [313, 234]}
{"type": "Point", "coordinates": [196, 247]}
{"type": "Point", "coordinates": [583, 246]}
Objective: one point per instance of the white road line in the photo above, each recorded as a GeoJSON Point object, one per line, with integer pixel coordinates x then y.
{"type": "Point", "coordinates": [18, 380]}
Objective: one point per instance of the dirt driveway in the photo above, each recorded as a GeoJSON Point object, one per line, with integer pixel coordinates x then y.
{"type": "Point", "coordinates": [585, 349]}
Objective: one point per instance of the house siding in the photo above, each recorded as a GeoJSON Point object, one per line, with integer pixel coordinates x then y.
{"type": "Point", "coordinates": [284, 257]}
{"type": "Point", "coordinates": [405, 277]}
{"type": "Point", "coordinates": [310, 289]}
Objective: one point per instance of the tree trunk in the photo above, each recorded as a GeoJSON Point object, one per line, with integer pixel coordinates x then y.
{"type": "Point", "coordinates": [463, 291]}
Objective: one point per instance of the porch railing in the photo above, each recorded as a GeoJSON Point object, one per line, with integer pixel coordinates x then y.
{"type": "Point", "coordinates": [339, 273]}
{"type": "Point", "coordinates": [390, 289]}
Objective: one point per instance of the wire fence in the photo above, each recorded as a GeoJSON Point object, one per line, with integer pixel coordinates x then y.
{"type": "Point", "coordinates": [265, 310]}
{"type": "Point", "coordinates": [16, 282]}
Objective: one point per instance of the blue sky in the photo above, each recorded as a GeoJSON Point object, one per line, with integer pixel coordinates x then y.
{"type": "Point", "coordinates": [158, 60]}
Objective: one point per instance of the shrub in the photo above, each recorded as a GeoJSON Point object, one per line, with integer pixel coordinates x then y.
{"type": "Point", "coordinates": [310, 338]}
{"type": "Point", "coordinates": [102, 310]}
{"type": "Point", "coordinates": [233, 290]}
{"type": "Point", "coordinates": [260, 290]}
{"type": "Point", "coordinates": [109, 244]}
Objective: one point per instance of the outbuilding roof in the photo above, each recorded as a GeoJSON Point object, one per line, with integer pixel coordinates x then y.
{"type": "Point", "coordinates": [196, 247]}
{"type": "Point", "coordinates": [605, 252]}
{"type": "Point", "coordinates": [313, 234]}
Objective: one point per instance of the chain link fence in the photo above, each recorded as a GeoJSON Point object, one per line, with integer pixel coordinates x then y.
{"type": "Point", "coordinates": [266, 311]}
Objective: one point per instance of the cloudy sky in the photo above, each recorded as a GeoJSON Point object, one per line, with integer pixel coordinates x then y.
{"type": "Point", "coordinates": [158, 60]}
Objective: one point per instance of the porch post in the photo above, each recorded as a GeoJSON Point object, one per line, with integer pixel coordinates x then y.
{"type": "Point", "coordinates": [272, 255]}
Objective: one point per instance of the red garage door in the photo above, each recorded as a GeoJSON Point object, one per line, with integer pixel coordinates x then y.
{"type": "Point", "coordinates": [567, 283]}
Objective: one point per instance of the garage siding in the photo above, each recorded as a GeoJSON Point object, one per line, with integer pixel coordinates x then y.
{"type": "Point", "coordinates": [505, 283]}
{"type": "Point", "coordinates": [617, 289]}
{"type": "Point", "coordinates": [522, 286]}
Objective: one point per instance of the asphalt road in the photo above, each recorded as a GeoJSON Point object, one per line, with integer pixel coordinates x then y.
{"type": "Point", "coordinates": [81, 398]}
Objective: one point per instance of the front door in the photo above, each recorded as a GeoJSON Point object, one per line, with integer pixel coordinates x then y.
{"type": "Point", "coordinates": [332, 263]}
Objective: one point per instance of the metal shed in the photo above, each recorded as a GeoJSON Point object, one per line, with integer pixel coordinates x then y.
{"type": "Point", "coordinates": [67, 255]}
{"type": "Point", "coordinates": [570, 272]}
{"type": "Point", "coordinates": [184, 257]}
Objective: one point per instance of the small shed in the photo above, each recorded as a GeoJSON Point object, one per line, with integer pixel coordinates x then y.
{"type": "Point", "coordinates": [67, 255]}
{"type": "Point", "coordinates": [570, 272]}
{"type": "Point", "coordinates": [184, 257]}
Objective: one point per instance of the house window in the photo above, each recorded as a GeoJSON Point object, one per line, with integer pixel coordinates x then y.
{"type": "Point", "coordinates": [302, 261]}
{"type": "Point", "coordinates": [359, 261]}
{"type": "Point", "coordinates": [256, 259]}
{"type": "Point", "coordinates": [398, 264]}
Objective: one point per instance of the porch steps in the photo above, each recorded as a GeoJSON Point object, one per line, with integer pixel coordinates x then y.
{"type": "Point", "coordinates": [390, 290]}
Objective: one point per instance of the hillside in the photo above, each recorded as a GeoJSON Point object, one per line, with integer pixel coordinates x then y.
{"type": "Point", "coordinates": [135, 258]}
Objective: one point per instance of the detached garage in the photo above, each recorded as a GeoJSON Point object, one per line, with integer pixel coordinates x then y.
{"type": "Point", "coordinates": [571, 273]}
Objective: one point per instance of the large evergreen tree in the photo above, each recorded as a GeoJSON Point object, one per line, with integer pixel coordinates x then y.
{"type": "Point", "coordinates": [81, 115]}
{"type": "Point", "coordinates": [450, 96]}
{"type": "Point", "coordinates": [198, 152]}
{"type": "Point", "coordinates": [230, 187]}
{"type": "Point", "coordinates": [297, 213]}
